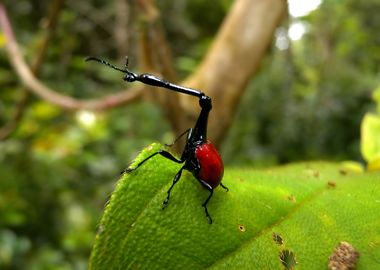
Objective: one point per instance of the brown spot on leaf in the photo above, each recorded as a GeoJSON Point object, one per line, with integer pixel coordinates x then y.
{"type": "Point", "coordinates": [292, 198]}
{"type": "Point", "coordinates": [343, 171]}
{"type": "Point", "coordinates": [278, 239]}
{"type": "Point", "coordinates": [288, 259]}
{"type": "Point", "coordinates": [344, 257]}
{"type": "Point", "coordinates": [331, 184]}
{"type": "Point", "coordinates": [241, 228]}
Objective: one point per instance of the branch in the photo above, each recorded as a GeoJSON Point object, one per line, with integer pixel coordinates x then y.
{"type": "Point", "coordinates": [155, 56]}
{"type": "Point", "coordinates": [52, 20]}
{"type": "Point", "coordinates": [11, 125]}
{"type": "Point", "coordinates": [50, 95]}
{"type": "Point", "coordinates": [234, 57]}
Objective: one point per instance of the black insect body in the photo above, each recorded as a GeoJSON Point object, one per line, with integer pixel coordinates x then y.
{"type": "Point", "coordinates": [199, 155]}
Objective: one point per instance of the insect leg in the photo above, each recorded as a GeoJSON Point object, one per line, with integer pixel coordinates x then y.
{"type": "Point", "coordinates": [175, 180]}
{"type": "Point", "coordinates": [223, 186]}
{"type": "Point", "coordinates": [163, 153]}
{"type": "Point", "coordinates": [211, 190]}
{"type": "Point", "coordinates": [179, 137]}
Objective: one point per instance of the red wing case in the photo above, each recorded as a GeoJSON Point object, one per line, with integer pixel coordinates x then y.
{"type": "Point", "coordinates": [211, 164]}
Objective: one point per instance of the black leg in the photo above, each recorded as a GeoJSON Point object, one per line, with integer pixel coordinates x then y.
{"type": "Point", "coordinates": [175, 180]}
{"type": "Point", "coordinates": [163, 153]}
{"type": "Point", "coordinates": [179, 137]}
{"type": "Point", "coordinates": [223, 186]}
{"type": "Point", "coordinates": [211, 190]}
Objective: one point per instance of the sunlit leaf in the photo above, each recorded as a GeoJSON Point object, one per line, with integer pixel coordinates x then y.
{"type": "Point", "coordinates": [370, 137]}
{"type": "Point", "coordinates": [374, 165]}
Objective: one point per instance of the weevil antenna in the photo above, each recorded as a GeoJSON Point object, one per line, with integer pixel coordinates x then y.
{"type": "Point", "coordinates": [92, 58]}
{"type": "Point", "coordinates": [152, 80]}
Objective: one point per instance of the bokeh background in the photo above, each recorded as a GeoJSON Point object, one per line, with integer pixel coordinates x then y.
{"type": "Point", "coordinates": [58, 168]}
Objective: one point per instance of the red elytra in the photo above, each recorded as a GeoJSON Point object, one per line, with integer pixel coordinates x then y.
{"type": "Point", "coordinates": [211, 164]}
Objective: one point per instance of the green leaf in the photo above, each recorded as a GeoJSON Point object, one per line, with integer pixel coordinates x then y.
{"type": "Point", "coordinates": [370, 137]}
{"type": "Point", "coordinates": [311, 206]}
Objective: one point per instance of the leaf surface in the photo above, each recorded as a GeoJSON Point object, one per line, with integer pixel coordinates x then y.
{"type": "Point", "coordinates": [311, 206]}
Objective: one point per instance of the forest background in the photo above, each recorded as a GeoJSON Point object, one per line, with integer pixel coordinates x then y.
{"type": "Point", "coordinates": [304, 99]}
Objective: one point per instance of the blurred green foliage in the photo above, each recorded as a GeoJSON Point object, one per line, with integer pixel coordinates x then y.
{"type": "Point", "coordinates": [308, 102]}
{"type": "Point", "coordinates": [57, 170]}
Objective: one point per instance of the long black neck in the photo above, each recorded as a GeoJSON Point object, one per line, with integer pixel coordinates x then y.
{"type": "Point", "coordinates": [199, 134]}
{"type": "Point", "coordinates": [200, 128]}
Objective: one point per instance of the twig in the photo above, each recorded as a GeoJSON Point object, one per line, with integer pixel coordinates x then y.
{"type": "Point", "coordinates": [18, 114]}
{"type": "Point", "coordinates": [11, 125]}
{"type": "Point", "coordinates": [52, 20]}
{"type": "Point", "coordinates": [50, 95]}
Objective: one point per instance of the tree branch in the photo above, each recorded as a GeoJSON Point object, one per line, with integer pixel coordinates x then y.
{"type": "Point", "coordinates": [52, 20]}
{"type": "Point", "coordinates": [50, 95]}
{"type": "Point", "coordinates": [155, 56]}
{"type": "Point", "coordinates": [233, 58]}
{"type": "Point", "coordinates": [11, 125]}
